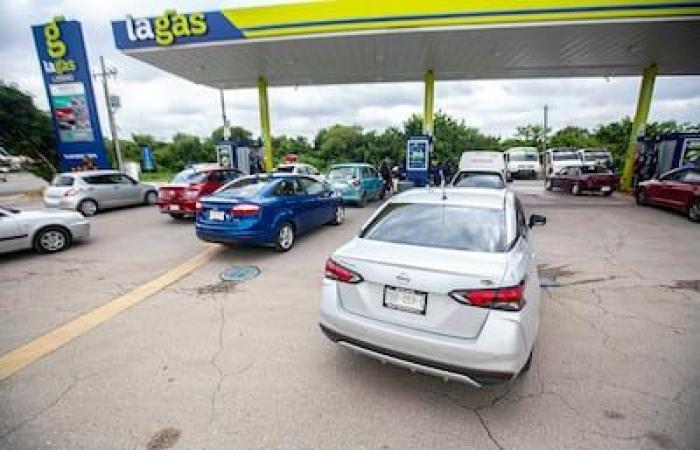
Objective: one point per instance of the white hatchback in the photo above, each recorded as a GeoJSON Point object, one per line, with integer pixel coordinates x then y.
{"type": "Point", "coordinates": [441, 282]}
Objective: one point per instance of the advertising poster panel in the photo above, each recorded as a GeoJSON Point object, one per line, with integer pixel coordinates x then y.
{"type": "Point", "coordinates": [68, 84]}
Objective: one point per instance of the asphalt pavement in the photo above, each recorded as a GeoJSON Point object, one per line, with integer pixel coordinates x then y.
{"type": "Point", "coordinates": [209, 365]}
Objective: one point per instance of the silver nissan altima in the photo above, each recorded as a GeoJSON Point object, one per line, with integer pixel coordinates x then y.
{"type": "Point", "coordinates": [440, 281]}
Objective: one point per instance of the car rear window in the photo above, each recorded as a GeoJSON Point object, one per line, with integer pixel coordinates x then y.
{"type": "Point", "coordinates": [190, 176]}
{"type": "Point", "coordinates": [442, 226]}
{"type": "Point", "coordinates": [285, 169]}
{"type": "Point", "coordinates": [62, 181]}
{"type": "Point", "coordinates": [243, 188]}
{"type": "Point", "coordinates": [479, 180]}
{"type": "Point", "coordinates": [343, 173]}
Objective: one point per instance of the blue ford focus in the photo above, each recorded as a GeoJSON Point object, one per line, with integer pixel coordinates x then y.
{"type": "Point", "coordinates": [267, 210]}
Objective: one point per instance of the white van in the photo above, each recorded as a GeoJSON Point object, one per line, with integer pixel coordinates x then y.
{"type": "Point", "coordinates": [481, 169]}
{"type": "Point", "coordinates": [556, 159]}
{"type": "Point", "coordinates": [523, 162]}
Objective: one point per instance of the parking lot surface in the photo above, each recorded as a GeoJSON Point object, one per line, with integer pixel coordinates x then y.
{"type": "Point", "coordinates": [205, 364]}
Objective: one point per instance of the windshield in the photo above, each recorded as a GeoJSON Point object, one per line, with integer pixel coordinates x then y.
{"type": "Point", "coordinates": [479, 180]}
{"type": "Point", "coordinates": [594, 169]}
{"type": "Point", "coordinates": [565, 156]}
{"type": "Point", "coordinates": [442, 226]}
{"type": "Point", "coordinates": [523, 157]}
{"type": "Point", "coordinates": [189, 176]}
{"type": "Point", "coordinates": [243, 188]}
{"type": "Point", "coordinates": [62, 181]}
{"type": "Point", "coordinates": [343, 173]}
{"type": "Point", "coordinates": [595, 156]}
{"type": "Point", "coordinates": [285, 169]}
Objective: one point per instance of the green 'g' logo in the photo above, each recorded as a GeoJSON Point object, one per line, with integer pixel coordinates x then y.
{"type": "Point", "coordinates": [54, 45]}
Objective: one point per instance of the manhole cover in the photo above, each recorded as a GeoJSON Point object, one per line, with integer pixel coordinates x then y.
{"type": "Point", "coordinates": [240, 273]}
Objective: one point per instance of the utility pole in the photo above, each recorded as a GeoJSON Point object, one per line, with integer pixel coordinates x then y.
{"type": "Point", "coordinates": [104, 74]}
{"type": "Point", "coordinates": [227, 130]}
{"type": "Point", "coordinates": [544, 130]}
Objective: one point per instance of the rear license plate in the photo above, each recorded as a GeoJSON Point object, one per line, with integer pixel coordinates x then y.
{"type": "Point", "coordinates": [174, 207]}
{"type": "Point", "coordinates": [406, 300]}
{"type": "Point", "coordinates": [605, 189]}
{"type": "Point", "coordinates": [217, 215]}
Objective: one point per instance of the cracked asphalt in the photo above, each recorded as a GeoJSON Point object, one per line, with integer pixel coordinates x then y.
{"type": "Point", "coordinates": [203, 365]}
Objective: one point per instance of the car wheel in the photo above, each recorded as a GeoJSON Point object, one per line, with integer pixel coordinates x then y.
{"type": "Point", "coordinates": [177, 216]}
{"type": "Point", "coordinates": [88, 208]}
{"type": "Point", "coordinates": [641, 197]}
{"type": "Point", "coordinates": [151, 198]}
{"type": "Point", "coordinates": [363, 201]}
{"type": "Point", "coordinates": [528, 363]}
{"type": "Point", "coordinates": [52, 240]}
{"type": "Point", "coordinates": [285, 237]}
{"type": "Point", "coordinates": [694, 210]}
{"type": "Point", "coordinates": [575, 189]}
{"type": "Point", "coordinates": [607, 193]}
{"type": "Point", "coordinates": [339, 215]}
{"type": "Point", "coordinates": [548, 184]}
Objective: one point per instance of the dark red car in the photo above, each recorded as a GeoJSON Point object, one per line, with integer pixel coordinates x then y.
{"type": "Point", "coordinates": [678, 189]}
{"type": "Point", "coordinates": [577, 179]}
{"type": "Point", "coordinates": [180, 196]}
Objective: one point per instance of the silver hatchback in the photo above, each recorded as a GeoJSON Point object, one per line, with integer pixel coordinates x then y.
{"type": "Point", "coordinates": [91, 191]}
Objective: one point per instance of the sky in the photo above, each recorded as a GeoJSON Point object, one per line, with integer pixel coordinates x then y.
{"type": "Point", "coordinates": [160, 104]}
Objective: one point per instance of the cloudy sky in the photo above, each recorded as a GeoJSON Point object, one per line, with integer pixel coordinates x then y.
{"type": "Point", "coordinates": [160, 104]}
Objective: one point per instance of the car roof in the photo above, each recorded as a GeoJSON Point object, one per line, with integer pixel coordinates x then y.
{"type": "Point", "coordinates": [474, 197]}
{"type": "Point", "coordinates": [352, 165]}
{"type": "Point", "coordinates": [83, 173]}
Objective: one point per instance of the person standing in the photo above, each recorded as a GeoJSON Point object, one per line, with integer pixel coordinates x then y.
{"type": "Point", "coordinates": [385, 172]}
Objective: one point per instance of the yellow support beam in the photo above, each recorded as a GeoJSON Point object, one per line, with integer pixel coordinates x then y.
{"type": "Point", "coordinates": [429, 103]}
{"type": "Point", "coordinates": [265, 123]}
{"type": "Point", "coordinates": [646, 92]}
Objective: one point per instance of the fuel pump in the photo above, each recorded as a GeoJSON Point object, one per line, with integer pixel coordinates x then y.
{"type": "Point", "coordinates": [418, 150]}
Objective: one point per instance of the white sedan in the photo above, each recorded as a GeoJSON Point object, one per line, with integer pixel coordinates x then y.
{"type": "Point", "coordinates": [46, 231]}
{"type": "Point", "coordinates": [439, 281]}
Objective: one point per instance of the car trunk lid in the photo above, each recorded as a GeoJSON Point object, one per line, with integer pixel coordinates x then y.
{"type": "Point", "coordinates": [433, 271]}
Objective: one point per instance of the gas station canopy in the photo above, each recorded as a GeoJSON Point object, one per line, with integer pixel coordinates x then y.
{"type": "Point", "coordinates": [360, 41]}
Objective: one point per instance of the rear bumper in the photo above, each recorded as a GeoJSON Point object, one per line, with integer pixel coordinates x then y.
{"type": "Point", "coordinates": [177, 207]}
{"type": "Point", "coordinates": [221, 235]}
{"type": "Point", "coordinates": [496, 355]}
{"type": "Point", "coordinates": [70, 203]}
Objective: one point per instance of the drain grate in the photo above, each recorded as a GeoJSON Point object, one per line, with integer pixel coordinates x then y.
{"type": "Point", "coordinates": [240, 273]}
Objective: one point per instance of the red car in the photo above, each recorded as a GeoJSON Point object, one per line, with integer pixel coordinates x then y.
{"type": "Point", "coordinates": [678, 189]}
{"type": "Point", "coordinates": [577, 179]}
{"type": "Point", "coordinates": [180, 196]}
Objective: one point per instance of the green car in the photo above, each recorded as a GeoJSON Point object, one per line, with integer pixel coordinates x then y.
{"type": "Point", "coordinates": [358, 183]}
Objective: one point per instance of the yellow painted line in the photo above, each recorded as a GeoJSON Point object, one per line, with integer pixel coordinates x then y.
{"type": "Point", "coordinates": [15, 360]}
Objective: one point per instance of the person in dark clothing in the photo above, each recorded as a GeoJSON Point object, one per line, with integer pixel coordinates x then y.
{"type": "Point", "coordinates": [385, 172]}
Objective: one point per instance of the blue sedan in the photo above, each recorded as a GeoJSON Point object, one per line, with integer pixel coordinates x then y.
{"type": "Point", "coordinates": [267, 210]}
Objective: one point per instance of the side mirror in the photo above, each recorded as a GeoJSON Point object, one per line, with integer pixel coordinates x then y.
{"type": "Point", "coordinates": [537, 219]}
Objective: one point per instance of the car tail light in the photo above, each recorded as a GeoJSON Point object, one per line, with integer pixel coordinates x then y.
{"type": "Point", "coordinates": [245, 209]}
{"type": "Point", "coordinates": [198, 206]}
{"type": "Point", "coordinates": [355, 182]}
{"type": "Point", "coordinates": [72, 191]}
{"type": "Point", "coordinates": [507, 299]}
{"type": "Point", "coordinates": [335, 271]}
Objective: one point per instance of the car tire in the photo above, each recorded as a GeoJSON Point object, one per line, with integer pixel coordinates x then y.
{"type": "Point", "coordinates": [88, 208]}
{"type": "Point", "coordinates": [548, 184]}
{"type": "Point", "coordinates": [641, 197]}
{"type": "Point", "coordinates": [52, 240]}
{"type": "Point", "coordinates": [528, 363]}
{"type": "Point", "coordinates": [694, 210]}
{"type": "Point", "coordinates": [363, 201]}
{"type": "Point", "coordinates": [339, 216]}
{"type": "Point", "coordinates": [576, 189]}
{"type": "Point", "coordinates": [607, 194]}
{"type": "Point", "coordinates": [177, 216]}
{"type": "Point", "coordinates": [285, 237]}
{"type": "Point", "coordinates": [151, 198]}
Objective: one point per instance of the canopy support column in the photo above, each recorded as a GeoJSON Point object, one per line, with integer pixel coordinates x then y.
{"type": "Point", "coordinates": [265, 122]}
{"type": "Point", "coordinates": [640, 120]}
{"type": "Point", "coordinates": [429, 103]}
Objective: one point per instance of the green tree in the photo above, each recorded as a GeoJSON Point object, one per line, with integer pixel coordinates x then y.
{"type": "Point", "coordinates": [26, 130]}
{"type": "Point", "coordinates": [572, 136]}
